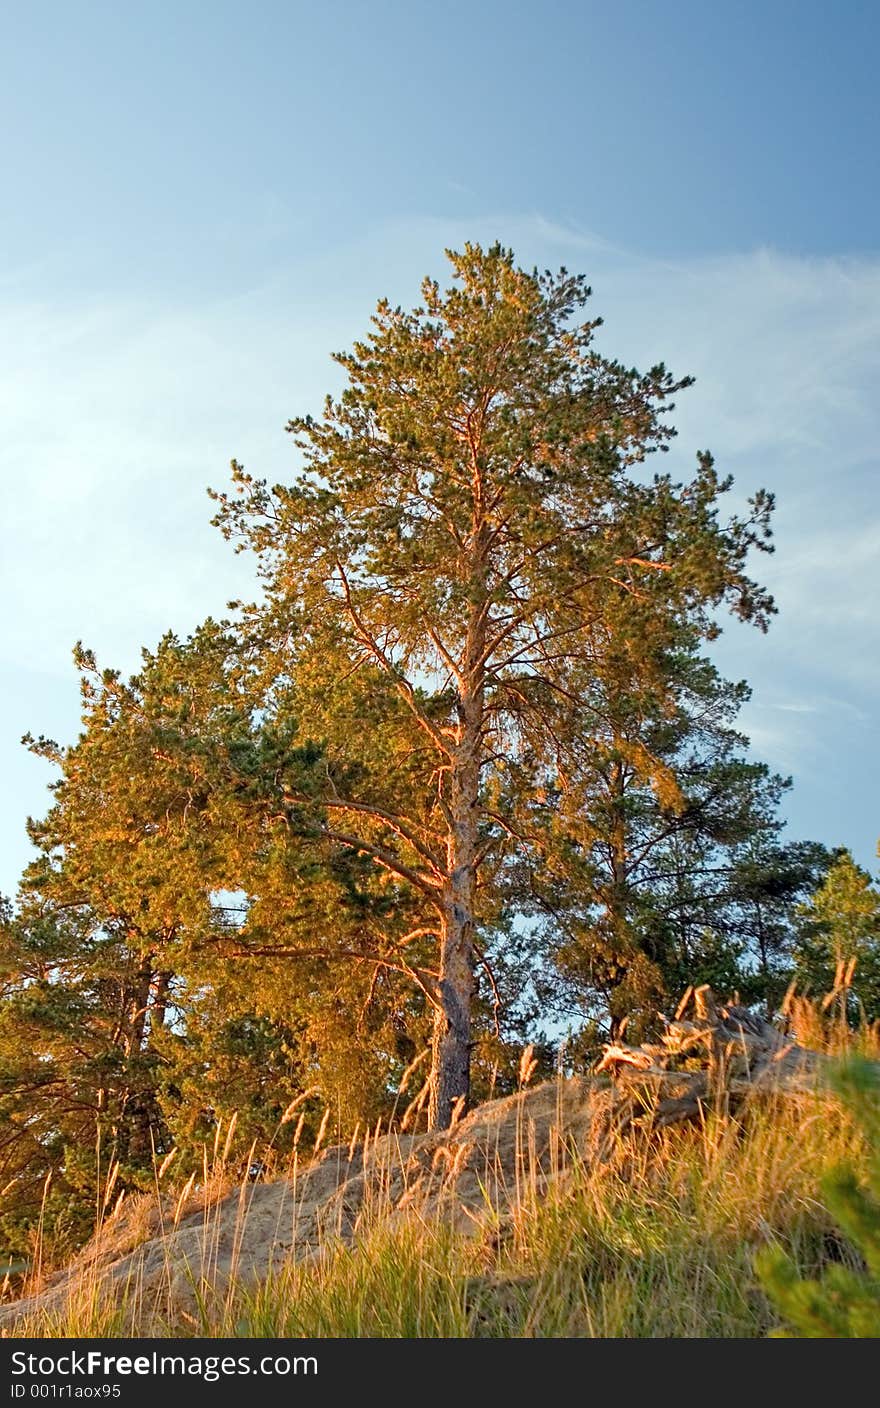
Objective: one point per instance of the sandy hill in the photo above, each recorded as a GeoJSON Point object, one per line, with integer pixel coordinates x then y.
{"type": "Point", "coordinates": [165, 1254]}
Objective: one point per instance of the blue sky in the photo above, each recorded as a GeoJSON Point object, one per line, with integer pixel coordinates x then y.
{"type": "Point", "coordinates": [199, 203]}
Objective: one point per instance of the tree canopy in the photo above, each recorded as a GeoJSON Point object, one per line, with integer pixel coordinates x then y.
{"type": "Point", "coordinates": [470, 522]}
{"type": "Point", "coordinates": [460, 777]}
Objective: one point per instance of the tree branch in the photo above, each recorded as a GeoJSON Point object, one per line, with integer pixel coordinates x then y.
{"type": "Point", "coordinates": [403, 686]}
{"type": "Point", "coordinates": [400, 828]}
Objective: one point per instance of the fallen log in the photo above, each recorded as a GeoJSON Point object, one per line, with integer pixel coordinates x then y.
{"type": "Point", "coordinates": [726, 1050]}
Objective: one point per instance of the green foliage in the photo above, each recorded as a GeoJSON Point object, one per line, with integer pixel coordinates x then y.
{"type": "Point", "coordinates": [840, 924]}
{"type": "Point", "coordinates": [78, 1076]}
{"type": "Point", "coordinates": [467, 729]}
{"type": "Point", "coordinates": [474, 527]}
{"type": "Point", "coordinates": [649, 887]}
{"type": "Point", "coordinates": [845, 1302]}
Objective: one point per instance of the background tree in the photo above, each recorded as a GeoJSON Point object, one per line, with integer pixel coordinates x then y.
{"type": "Point", "coordinates": [472, 522]}
{"type": "Point", "coordinates": [79, 1075]}
{"type": "Point", "coordinates": [838, 924]}
{"type": "Point", "coordinates": [651, 882]}
{"type": "Point", "coordinates": [163, 829]}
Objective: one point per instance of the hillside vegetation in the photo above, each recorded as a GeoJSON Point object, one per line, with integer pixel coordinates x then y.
{"type": "Point", "coordinates": [599, 1206]}
{"type": "Point", "coordinates": [339, 900]}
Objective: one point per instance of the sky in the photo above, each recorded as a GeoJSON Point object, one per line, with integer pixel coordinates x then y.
{"type": "Point", "coordinates": [200, 203]}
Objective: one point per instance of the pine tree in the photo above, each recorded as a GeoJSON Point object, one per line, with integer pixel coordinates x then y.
{"type": "Point", "coordinates": [650, 883]}
{"type": "Point", "coordinates": [163, 830]}
{"type": "Point", "coordinates": [474, 525]}
{"type": "Point", "coordinates": [79, 1075]}
{"type": "Point", "coordinates": [840, 925]}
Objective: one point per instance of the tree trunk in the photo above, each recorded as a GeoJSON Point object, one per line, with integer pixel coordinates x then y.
{"type": "Point", "coordinates": [451, 1056]}
{"type": "Point", "coordinates": [618, 897]}
{"type": "Point", "coordinates": [140, 1005]}
{"type": "Point", "coordinates": [137, 1116]}
{"type": "Point", "coordinates": [616, 905]}
{"type": "Point", "coordinates": [160, 1001]}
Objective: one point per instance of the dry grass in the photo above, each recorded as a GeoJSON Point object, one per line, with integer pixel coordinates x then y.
{"type": "Point", "coordinates": [654, 1235]}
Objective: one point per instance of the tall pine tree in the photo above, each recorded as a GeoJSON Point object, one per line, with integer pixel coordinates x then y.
{"type": "Point", "coordinates": [473, 523]}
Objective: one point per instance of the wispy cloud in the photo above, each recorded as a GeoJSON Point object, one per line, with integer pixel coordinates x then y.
{"type": "Point", "coordinates": [117, 415]}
